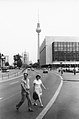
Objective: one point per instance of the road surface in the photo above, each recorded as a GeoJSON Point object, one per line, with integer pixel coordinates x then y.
{"type": "Point", "coordinates": [60, 99]}
{"type": "Point", "coordinates": [66, 105]}
{"type": "Point", "coordinates": [10, 96]}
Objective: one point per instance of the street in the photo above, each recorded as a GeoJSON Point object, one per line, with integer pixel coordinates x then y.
{"type": "Point", "coordinates": [67, 104]}
{"type": "Point", "coordinates": [10, 96]}
{"type": "Point", "coordinates": [63, 106]}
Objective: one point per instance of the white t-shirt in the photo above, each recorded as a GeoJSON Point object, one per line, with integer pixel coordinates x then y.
{"type": "Point", "coordinates": [26, 83]}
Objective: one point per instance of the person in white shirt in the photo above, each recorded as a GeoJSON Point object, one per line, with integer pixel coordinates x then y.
{"type": "Point", "coordinates": [25, 92]}
{"type": "Point", "coordinates": [37, 90]}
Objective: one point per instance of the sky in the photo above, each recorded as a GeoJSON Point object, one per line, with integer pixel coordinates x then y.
{"type": "Point", "coordinates": [18, 22]}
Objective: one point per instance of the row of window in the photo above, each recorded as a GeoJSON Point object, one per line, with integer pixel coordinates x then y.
{"type": "Point", "coordinates": [68, 51]}
{"type": "Point", "coordinates": [58, 56]}
{"type": "Point", "coordinates": [66, 46]}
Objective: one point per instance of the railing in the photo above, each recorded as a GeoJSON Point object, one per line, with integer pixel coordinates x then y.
{"type": "Point", "coordinates": [8, 75]}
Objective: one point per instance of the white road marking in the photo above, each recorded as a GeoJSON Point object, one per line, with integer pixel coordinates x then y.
{"type": "Point", "coordinates": [14, 82]}
{"type": "Point", "coordinates": [1, 98]}
{"type": "Point", "coordinates": [58, 75]}
{"type": "Point", "coordinates": [48, 106]}
{"type": "Point", "coordinates": [8, 97]}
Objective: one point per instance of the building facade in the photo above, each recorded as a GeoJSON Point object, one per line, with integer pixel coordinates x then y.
{"type": "Point", "coordinates": [25, 58]}
{"type": "Point", "coordinates": [65, 51]}
{"type": "Point", "coordinates": [55, 49]}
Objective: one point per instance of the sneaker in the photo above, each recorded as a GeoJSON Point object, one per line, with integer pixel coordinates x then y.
{"type": "Point", "coordinates": [41, 106]}
{"type": "Point", "coordinates": [35, 104]}
{"type": "Point", "coordinates": [30, 110]}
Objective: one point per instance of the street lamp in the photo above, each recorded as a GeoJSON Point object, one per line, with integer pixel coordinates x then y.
{"type": "Point", "coordinates": [61, 63]}
{"type": "Point", "coordinates": [61, 68]}
{"type": "Point", "coordinates": [2, 58]}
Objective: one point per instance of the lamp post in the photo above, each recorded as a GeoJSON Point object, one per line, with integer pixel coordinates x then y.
{"type": "Point", "coordinates": [2, 58]}
{"type": "Point", "coordinates": [61, 68]}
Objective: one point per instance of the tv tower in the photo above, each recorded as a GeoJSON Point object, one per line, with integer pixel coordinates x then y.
{"type": "Point", "coordinates": [38, 30]}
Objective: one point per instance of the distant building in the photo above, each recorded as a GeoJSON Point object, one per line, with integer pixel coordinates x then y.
{"type": "Point", "coordinates": [25, 56]}
{"type": "Point", "coordinates": [6, 58]}
{"type": "Point", "coordinates": [2, 60]}
{"type": "Point", "coordinates": [57, 49]}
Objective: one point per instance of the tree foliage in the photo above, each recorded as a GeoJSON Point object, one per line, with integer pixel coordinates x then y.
{"type": "Point", "coordinates": [17, 61]}
{"type": "Point", "coordinates": [6, 63]}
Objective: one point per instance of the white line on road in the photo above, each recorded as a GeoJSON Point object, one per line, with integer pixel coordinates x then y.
{"type": "Point", "coordinates": [1, 98]}
{"type": "Point", "coordinates": [14, 82]}
{"type": "Point", "coordinates": [8, 97]}
{"type": "Point", "coordinates": [48, 106]}
{"type": "Point", "coordinates": [59, 75]}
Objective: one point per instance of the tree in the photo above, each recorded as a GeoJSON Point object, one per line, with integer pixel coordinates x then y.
{"type": "Point", "coordinates": [19, 63]}
{"type": "Point", "coordinates": [17, 60]}
{"type": "Point", "coordinates": [6, 63]}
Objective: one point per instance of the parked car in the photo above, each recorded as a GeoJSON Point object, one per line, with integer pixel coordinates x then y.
{"type": "Point", "coordinates": [32, 69]}
{"type": "Point", "coordinates": [28, 68]}
{"type": "Point", "coordinates": [11, 67]}
{"type": "Point", "coordinates": [4, 69]}
{"type": "Point", "coordinates": [45, 70]}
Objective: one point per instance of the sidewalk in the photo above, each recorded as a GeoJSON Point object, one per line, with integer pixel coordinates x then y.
{"type": "Point", "coordinates": [10, 74]}
{"type": "Point", "coordinates": [68, 76]}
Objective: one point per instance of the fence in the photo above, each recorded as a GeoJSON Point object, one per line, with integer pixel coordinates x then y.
{"type": "Point", "coordinates": [8, 75]}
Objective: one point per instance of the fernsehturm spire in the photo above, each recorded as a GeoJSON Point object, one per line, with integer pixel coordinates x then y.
{"type": "Point", "coordinates": [38, 30]}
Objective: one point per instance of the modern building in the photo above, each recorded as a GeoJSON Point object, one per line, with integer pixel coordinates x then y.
{"type": "Point", "coordinates": [7, 58]}
{"type": "Point", "coordinates": [57, 49]}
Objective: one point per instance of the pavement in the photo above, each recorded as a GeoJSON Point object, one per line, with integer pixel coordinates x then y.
{"type": "Point", "coordinates": [68, 76]}
{"type": "Point", "coordinates": [11, 74]}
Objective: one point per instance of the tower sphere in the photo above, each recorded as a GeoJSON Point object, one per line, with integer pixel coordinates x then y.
{"type": "Point", "coordinates": [38, 30]}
